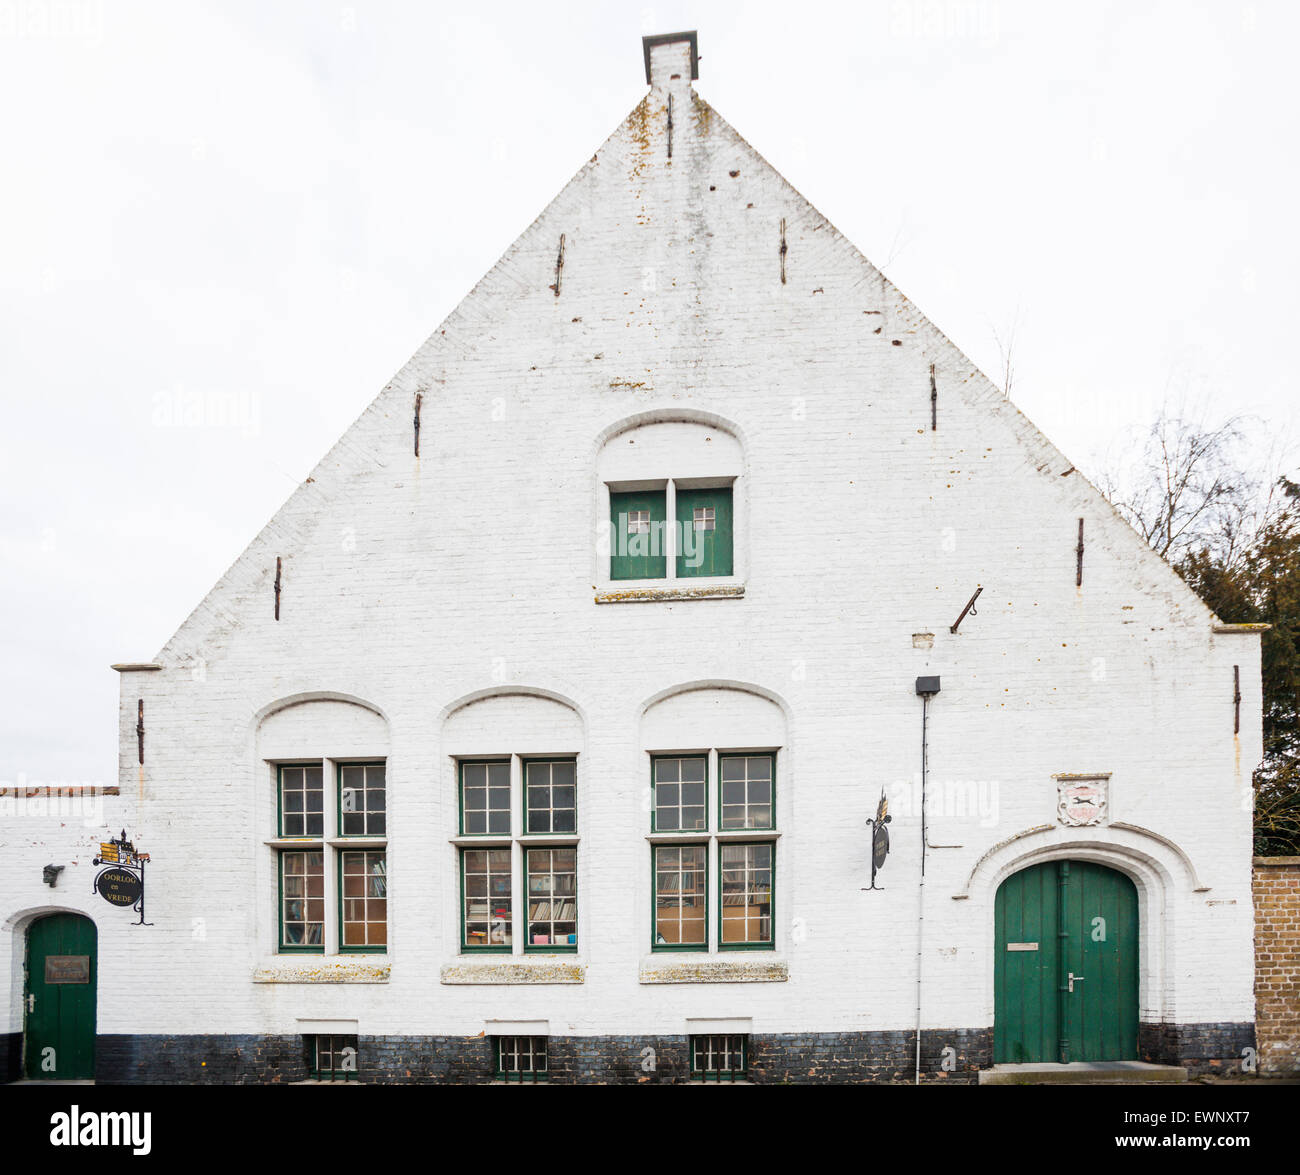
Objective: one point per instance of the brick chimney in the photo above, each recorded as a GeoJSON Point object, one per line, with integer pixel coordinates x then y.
{"type": "Point", "coordinates": [671, 59]}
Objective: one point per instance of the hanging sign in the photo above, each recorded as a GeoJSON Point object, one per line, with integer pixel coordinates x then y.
{"type": "Point", "coordinates": [122, 883]}
{"type": "Point", "coordinates": [119, 887]}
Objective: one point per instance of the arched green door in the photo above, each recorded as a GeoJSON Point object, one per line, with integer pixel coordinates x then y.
{"type": "Point", "coordinates": [59, 1003]}
{"type": "Point", "coordinates": [1066, 971]}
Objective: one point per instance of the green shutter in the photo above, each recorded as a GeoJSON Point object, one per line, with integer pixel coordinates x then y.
{"type": "Point", "coordinates": [704, 552]}
{"type": "Point", "coordinates": [638, 556]}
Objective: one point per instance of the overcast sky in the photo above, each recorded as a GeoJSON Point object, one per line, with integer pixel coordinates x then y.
{"type": "Point", "coordinates": [223, 227]}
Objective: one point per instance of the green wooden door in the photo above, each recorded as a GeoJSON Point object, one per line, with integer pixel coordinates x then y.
{"type": "Point", "coordinates": [1066, 971]}
{"type": "Point", "coordinates": [704, 523]}
{"type": "Point", "coordinates": [59, 1003]}
{"type": "Point", "coordinates": [637, 543]}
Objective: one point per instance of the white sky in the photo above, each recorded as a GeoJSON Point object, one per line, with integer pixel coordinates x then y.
{"type": "Point", "coordinates": [271, 205]}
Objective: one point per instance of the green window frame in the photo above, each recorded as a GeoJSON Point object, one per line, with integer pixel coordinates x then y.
{"type": "Point", "coordinates": [486, 906]}
{"type": "Point", "coordinates": [638, 540]}
{"type": "Point", "coordinates": [301, 913]}
{"type": "Point", "coordinates": [746, 895]}
{"type": "Point", "coordinates": [483, 797]}
{"type": "Point", "coordinates": [681, 883]}
{"type": "Point", "coordinates": [705, 530]}
{"type": "Point", "coordinates": [552, 881]}
{"type": "Point", "coordinates": [519, 1058]}
{"type": "Point", "coordinates": [362, 799]}
{"type": "Point", "coordinates": [300, 800]}
{"type": "Point", "coordinates": [363, 901]}
{"type": "Point", "coordinates": [747, 792]}
{"type": "Point", "coordinates": [550, 796]}
{"type": "Point", "coordinates": [720, 1057]}
{"type": "Point", "coordinates": [332, 1058]}
{"type": "Point", "coordinates": [679, 803]}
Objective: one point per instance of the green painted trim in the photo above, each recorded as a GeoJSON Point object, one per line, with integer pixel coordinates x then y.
{"type": "Point", "coordinates": [523, 792]}
{"type": "Point", "coordinates": [338, 802]}
{"type": "Point", "coordinates": [732, 1074]}
{"type": "Point", "coordinates": [461, 764]}
{"type": "Point", "coordinates": [771, 902]}
{"type": "Point", "coordinates": [551, 948]}
{"type": "Point", "coordinates": [465, 948]}
{"type": "Point", "coordinates": [629, 566]}
{"type": "Point", "coordinates": [676, 948]}
{"type": "Point", "coordinates": [280, 769]}
{"type": "Point", "coordinates": [293, 948]}
{"type": "Point", "coordinates": [684, 831]}
{"type": "Point", "coordinates": [717, 547]}
{"type": "Point", "coordinates": [338, 884]}
{"type": "Point", "coordinates": [771, 803]}
{"type": "Point", "coordinates": [500, 1074]}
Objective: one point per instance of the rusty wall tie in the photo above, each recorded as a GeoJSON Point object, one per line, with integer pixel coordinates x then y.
{"type": "Point", "coordinates": [970, 608]}
{"type": "Point", "coordinates": [418, 399]}
{"type": "Point", "coordinates": [1078, 551]}
{"type": "Point", "coordinates": [139, 729]}
{"type": "Point", "coordinates": [1236, 699]}
{"type": "Point", "coordinates": [670, 126]}
{"type": "Point", "coordinates": [559, 267]}
{"type": "Point", "coordinates": [784, 249]}
{"type": "Point", "coordinates": [934, 401]}
{"type": "Point", "coordinates": [277, 587]}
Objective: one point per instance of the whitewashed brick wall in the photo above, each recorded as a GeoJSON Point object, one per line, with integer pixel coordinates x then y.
{"type": "Point", "coordinates": [410, 584]}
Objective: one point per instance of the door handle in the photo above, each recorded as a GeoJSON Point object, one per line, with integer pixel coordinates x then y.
{"type": "Point", "coordinates": [1074, 979]}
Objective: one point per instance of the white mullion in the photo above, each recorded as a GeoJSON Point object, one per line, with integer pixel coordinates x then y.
{"type": "Point", "coordinates": [518, 871]}
{"type": "Point", "coordinates": [670, 528]}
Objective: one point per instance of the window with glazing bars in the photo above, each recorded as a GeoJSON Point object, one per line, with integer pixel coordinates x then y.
{"type": "Point", "coordinates": [719, 1057]}
{"type": "Point", "coordinates": [363, 904]}
{"type": "Point", "coordinates": [302, 800]}
{"type": "Point", "coordinates": [680, 787]}
{"type": "Point", "coordinates": [745, 792]}
{"type": "Point", "coordinates": [486, 914]}
{"type": "Point", "coordinates": [520, 1058]}
{"type": "Point", "coordinates": [681, 897]}
{"type": "Point", "coordinates": [549, 787]}
{"type": "Point", "coordinates": [362, 799]}
{"type": "Point", "coordinates": [552, 900]}
{"type": "Point", "coordinates": [302, 902]}
{"type": "Point", "coordinates": [485, 798]}
{"type": "Point", "coordinates": [333, 1058]}
{"type": "Point", "coordinates": [746, 892]}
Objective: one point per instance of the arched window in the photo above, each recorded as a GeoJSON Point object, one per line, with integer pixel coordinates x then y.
{"type": "Point", "coordinates": [670, 510]}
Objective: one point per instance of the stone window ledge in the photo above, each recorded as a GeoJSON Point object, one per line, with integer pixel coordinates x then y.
{"type": "Point", "coordinates": [729, 591]}
{"type": "Point", "coordinates": [322, 969]}
{"type": "Point", "coordinates": [663, 968]}
{"type": "Point", "coordinates": [505, 970]}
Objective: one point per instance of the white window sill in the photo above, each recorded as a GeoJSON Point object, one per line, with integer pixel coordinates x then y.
{"type": "Point", "coordinates": [699, 967]}
{"type": "Point", "coordinates": [513, 969]}
{"type": "Point", "coordinates": [699, 837]}
{"type": "Point", "coordinates": [369, 968]}
{"type": "Point", "coordinates": [680, 590]}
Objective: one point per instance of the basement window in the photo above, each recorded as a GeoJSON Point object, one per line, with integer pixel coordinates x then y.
{"type": "Point", "coordinates": [332, 1058]}
{"type": "Point", "coordinates": [720, 1057]}
{"type": "Point", "coordinates": [520, 1058]}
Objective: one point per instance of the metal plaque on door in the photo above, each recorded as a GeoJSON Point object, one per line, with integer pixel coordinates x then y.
{"type": "Point", "coordinates": [67, 968]}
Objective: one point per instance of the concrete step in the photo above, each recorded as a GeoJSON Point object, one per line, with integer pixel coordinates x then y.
{"type": "Point", "coordinates": [1082, 1073]}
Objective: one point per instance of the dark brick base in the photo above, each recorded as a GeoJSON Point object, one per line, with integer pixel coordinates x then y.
{"type": "Point", "coordinates": [814, 1058]}
{"type": "Point", "coordinates": [797, 1059]}
{"type": "Point", "coordinates": [1218, 1047]}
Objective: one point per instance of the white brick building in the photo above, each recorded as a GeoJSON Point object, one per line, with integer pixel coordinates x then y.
{"type": "Point", "coordinates": [437, 612]}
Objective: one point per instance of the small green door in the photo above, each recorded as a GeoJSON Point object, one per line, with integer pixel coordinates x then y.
{"type": "Point", "coordinates": [704, 523]}
{"type": "Point", "coordinates": [638, 548]}
{"type": "Point", "coordinates": [1066, 972]}
{"type": "Point", "coordinates": [59, 1003]}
